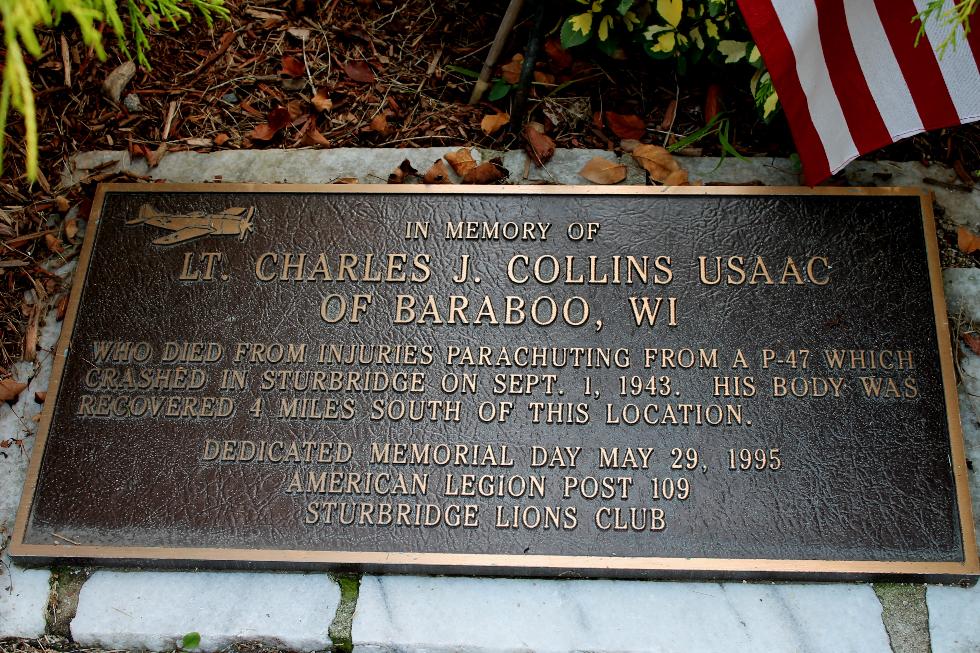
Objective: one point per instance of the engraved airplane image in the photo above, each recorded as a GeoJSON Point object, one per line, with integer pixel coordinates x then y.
{"type": "Point", "coordinates": [234, 221]}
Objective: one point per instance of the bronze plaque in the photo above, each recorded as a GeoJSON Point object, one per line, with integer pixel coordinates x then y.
{"type": "Point", "coordinates": [646, 382]}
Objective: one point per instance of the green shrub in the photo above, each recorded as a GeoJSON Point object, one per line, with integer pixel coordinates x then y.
{"type": "Point", "coordinates": [22, 18]}
{"type": "Point", "coordinates": [686, 32]}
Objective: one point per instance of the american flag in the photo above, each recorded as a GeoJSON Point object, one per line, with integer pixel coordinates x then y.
{"type": "Point", "coordinates": [851, 79]}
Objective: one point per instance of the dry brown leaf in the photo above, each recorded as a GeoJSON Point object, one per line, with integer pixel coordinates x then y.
{"type": "Point", "coordinates": [30, 335]}
{"type": "Point", "coordinates": [313, 136]}
{"type": "Point", "coordinates": [292, 67]}
{"type": "Point", "coordinates": [669, 116]}
{"type": "Point", "coordinates": [61, 308]}
{"type": "Point", "coordinates": [346, 180]}
{"type": "Point", "coordinates": [711, 103]}
{"type": "Point", "coordinates": [40, 396]}
{"type": "Point", "coordinates": [263, 132]}
{"type": "Point", "coordinates": [493, 122]}
{"type": "Point", "coordinates": [511, 71]}
{"type": "Point", "coordinates": [53, 244]}
{"type": "Point", "coordinates": [153, 158]}
{"type": "Point", "coordinates": [655, 160]}
{"type": "Point", "coordinates": [296, 108]}
{"type": "Point", "coordinates": [437, 174]}
{"type": "Point", "coordinates": [461, 160]}
{"type": "Point", "coordinates": [137, 150]}
{"type": "Point", "coordinates": [539, 147]}
{"type": "Point", "coordinates": [403, 171]}
{"type": "Point", "coordinates": [487, 172]}
{"type": "Point", "coordinates": [967, 241]}
{"type": "Point", "coordinates": [279, 118]}
{"type": "Point", "coordinates": [558, 55]}
{"type": "Point", "coordinates": [626, 126]}
{"type": "Point", "coordinates": [71, 228]}
{"type": "Point", "coordinates": [10, 389]}
{"type": "Point", "coordinates": [629, 144]}
{"type": "Point", "coordinates": [972, 341]}
{"type": "Point", "coordinates": [299, 32]}
{"type": "Point", "coordinates": [61, 204]}
{"type": "Point", "coordinates": [379, 124]}
{"type": "Point", "coordinates": [359, 71]}
{"type": "Point", "coordinates": [677, 178]}
{"type": "Point", "coordinates": [321, 101]}
{"type": "Point", "coordinates": [961, 172]}
{"type": "Point", "coordinates": [603, 171]}
{"type": "Point", "coordinates": [544, 78]}
{"type": "Point", "coordinates": [220, 139]}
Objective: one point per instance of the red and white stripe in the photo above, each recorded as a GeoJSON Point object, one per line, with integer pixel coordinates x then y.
{"type": "Point", "coordinates": [851, 80]}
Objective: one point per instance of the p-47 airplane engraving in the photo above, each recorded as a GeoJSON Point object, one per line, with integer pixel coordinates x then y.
{"type": "Point", "coordinates": [234, 221]}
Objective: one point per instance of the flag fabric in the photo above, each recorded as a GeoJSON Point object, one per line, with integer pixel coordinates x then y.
{"type": "Point", "coordinates": [851, 79]}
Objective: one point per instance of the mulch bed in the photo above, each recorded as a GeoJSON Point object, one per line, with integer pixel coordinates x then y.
{"type": "Point", "coordinates": [344, 74]}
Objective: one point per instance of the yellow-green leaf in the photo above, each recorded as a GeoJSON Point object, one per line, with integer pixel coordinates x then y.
{"type": "Point", "coordinates": [582, 23]}
{"type": "Point", "coordinates": [756, 78]}
{"type": "Point", "coordinates": [711, 29]}
{"type": "Point", "coordinates": [665, 42]}
{"type": "Point", "coordinates": [604, 25]}
{"type": "Point", "coordinates": [754, 54]}
{"type": "Point", "coordinates": [696, 37]}
{"type": "Point", "coordinates": [733, 50]}
{"type": "Point", "coordinates": [769, 106]}
{"type": "Point", "coordinates": [670, 10]}
{"type": "Point", "coordinates": [631, 20]}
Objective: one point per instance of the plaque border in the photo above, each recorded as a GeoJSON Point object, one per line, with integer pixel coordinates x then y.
{"type": "Point", "coordinates": [965, 571]}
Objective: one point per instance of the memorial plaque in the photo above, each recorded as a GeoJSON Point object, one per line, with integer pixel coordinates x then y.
{"type": "Point", "coordinates": [625, 382]}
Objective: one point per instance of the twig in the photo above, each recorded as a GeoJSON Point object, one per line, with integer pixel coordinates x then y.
{"type": "Point", "coordinates": [171, 110]}
{"type": "Point", "coordinates": [673, 117]}
{"type": "Point", "coordinates": [226, 40]}
{"type": "Point", "coordinates": [506, 25]}
{"type": "Point", "coordinates": [66, 60]}
{"type": "Point", "coordinates": [527, 68]}
{"type": "Point", "coordinates": [67, 539]}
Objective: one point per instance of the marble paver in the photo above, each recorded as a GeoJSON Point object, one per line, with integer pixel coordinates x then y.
{"type": "Point", "coordinates": [23, 592]}
{"type": "Point", "coordinates": [23, 598]}
{"type": "Point", "coordinates": [954, 619]}
{"type": "Point", "coordinates": [962, 287]}
{"type": "Point", "coordinates": [153, 610]}
{"type": "Point", "coordinates": [464, 614]}
{"type": "Point", "coordinates": [961, 207]}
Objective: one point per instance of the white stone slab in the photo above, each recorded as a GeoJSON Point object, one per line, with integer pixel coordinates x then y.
{"type": "Point", "coordinates": [954, 619]}
{"type": "Point", "coordinates": [962, 287]}
{"type": "Point", "coordinates": [565, 166]}
{"type": "Point", "coordinates": [23, 599]}
{"type": "Point", "coordinates": [370, 166]}
{"type": "Point", "coordinates": [969, 412]}
{"type": "Point", "coordinates": [962, 207]}
{"type": "Point", "coordinates": [18, 421]}
{"type": "Point", "coordinates": [154, 610]}
{"type": "Point", "coordinates": [373, 165]}
{"type": "Point", "coordinates": [396, 613]}
{"type": "Point", "coordinates": [771, 171]}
